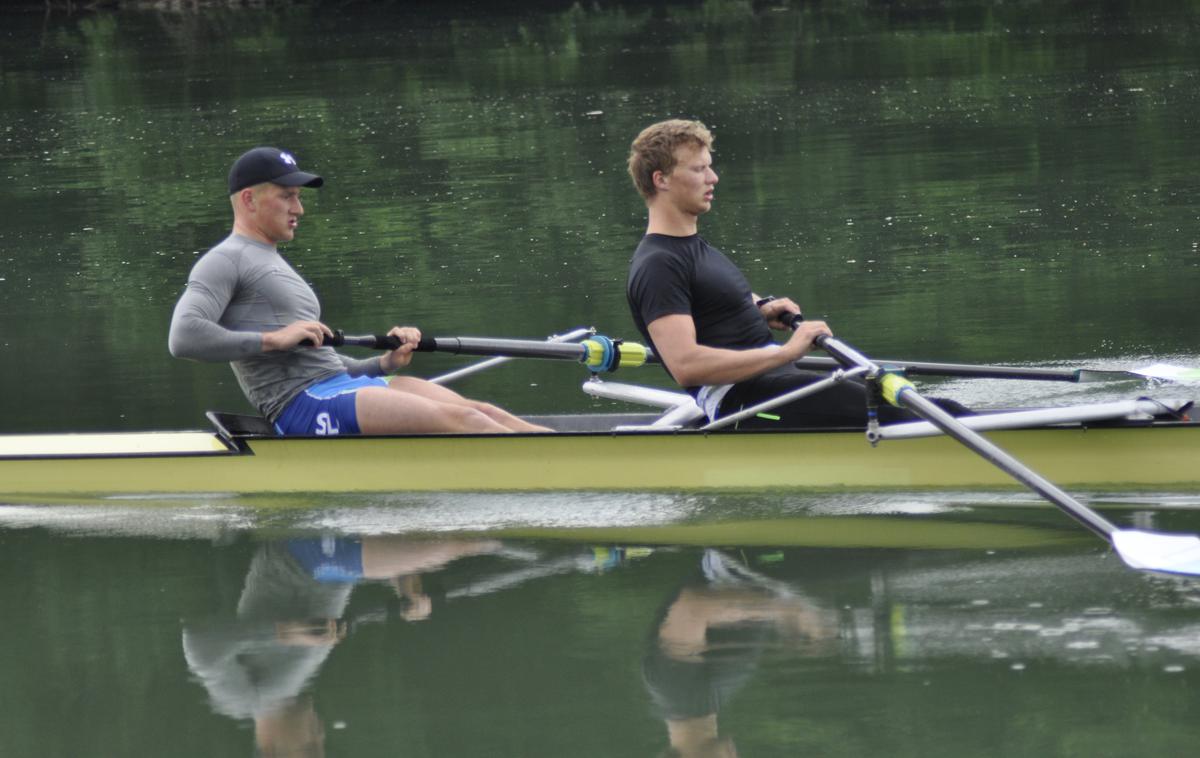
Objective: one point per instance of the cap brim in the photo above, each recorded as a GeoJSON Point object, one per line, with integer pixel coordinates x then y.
{"type": "Point", "coordinates": [298, 179]}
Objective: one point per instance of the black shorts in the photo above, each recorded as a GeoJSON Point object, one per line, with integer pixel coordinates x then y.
{"type": "Point", "coordinates": [842, 405]}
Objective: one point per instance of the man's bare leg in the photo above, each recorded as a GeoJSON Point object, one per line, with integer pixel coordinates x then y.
{"type": "Point", "coordinates": [442, 394]}
{"type": "Point", "coordinates": [390, 411]}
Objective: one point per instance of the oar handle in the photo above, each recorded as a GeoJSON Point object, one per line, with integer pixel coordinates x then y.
{"type": "Point", "coordinates": [373, 341]}
{"type": "Point", "coordinates": [793, 320]}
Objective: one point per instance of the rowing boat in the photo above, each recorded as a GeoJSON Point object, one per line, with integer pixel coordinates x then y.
{"type": "Point", "coordinates": [242, 454]}
{"type": "Point", "coordinates": [1142, 443]}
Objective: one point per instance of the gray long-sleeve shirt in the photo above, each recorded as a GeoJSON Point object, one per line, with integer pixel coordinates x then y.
{"type": "Point", "coordinates": [237, 291]}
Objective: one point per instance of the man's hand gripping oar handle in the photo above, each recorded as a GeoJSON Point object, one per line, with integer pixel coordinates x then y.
{"type": "Point", "coordinates": [794, 320]}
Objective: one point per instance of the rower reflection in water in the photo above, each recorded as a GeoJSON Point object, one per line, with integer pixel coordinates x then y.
{"type": "Point", "coordinates": [289, 618]}
{"type": "Point", "coordinates": [245, 304]}
{"type": "Point", "coordinates": [706, 643]}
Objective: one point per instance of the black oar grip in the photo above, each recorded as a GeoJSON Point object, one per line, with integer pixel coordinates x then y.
{"type": "Point", "coordinates": [337, 340]}
{"type": "Point", "coordinates": [372, 341]}
{"type": "Point", "coordinates": [427, 345]}
{"type": "Point", "coordinates": [386, 342]}
{"type": "Point", "coordinates": [793, 320]}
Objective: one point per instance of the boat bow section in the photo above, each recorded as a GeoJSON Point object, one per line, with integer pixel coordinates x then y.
{"type": "Point", "coordinates": [111, 444]}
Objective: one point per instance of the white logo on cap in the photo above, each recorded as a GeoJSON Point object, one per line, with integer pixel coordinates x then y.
{"type": "Point", "coordinates": [287, 158]}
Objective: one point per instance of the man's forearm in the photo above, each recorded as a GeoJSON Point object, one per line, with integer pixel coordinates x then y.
{"type": "Point", "coordinates": [711, 365]}
{"type": "Point", "coordinates": [202, 340]}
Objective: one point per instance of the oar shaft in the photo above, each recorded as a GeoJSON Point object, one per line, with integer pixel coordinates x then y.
{"type": "Point", "coordinates": [793, 320]}
{"type": "Point", "coordinates": [909, 398]}
{"type": "Point", "coordinates": [1176, 554]}
{"type": "Point", "coordinates": [598, 353]}
{"type": "Point", "coordinates": [954, 369]}
{"type": "Point", "coordinates": [509, 347]}
{"type": "Point", "coordinates": [930, 411]}
{"type": "Point", "coordinates": [452, 376]}
{"type": "Point", "coordinates": [465, 346]}
{"type": "Point", "coordinates": [531, 349]}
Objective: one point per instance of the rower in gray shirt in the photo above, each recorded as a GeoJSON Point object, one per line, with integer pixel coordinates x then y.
{"type": "Point", "coordinates": [238, 291]}
{"type": "Point", "coordinates": [245, 304]}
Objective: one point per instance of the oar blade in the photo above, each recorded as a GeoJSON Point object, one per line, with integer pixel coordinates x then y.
{"type": "Point", "coordinates": [1163, 553]}
{"type": "Point", "coordinates": [1169, 372]}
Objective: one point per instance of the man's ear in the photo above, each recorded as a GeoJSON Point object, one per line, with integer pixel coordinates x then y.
{"type": "Point", "coordinates": [661, 180]}
{"type": "Point", "coordinates": [246, 198]}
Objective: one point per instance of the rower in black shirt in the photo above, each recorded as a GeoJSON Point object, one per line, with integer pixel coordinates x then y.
{"type": "Point", "coordinates": [698, 311]}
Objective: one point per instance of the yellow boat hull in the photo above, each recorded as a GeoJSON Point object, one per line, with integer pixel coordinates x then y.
{"type": "Point", "coordinates": [1161, 457]}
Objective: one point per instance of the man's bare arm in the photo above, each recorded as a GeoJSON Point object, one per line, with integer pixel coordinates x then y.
{"type": "Point", "coordinates": [692, 364]}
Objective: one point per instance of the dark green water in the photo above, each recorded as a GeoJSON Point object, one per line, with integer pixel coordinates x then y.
{"type": "Point", "coordinates": [975, 181]}
{"type": "Point", "coordinates": [194, 630]}
{"type": "Point", "coordinates": [949, 181]}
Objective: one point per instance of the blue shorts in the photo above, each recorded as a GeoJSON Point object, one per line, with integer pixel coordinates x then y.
{"type": "Point", "coordinates": [327, 407]}
{"type": "Point", "coordinates": [329, 559]}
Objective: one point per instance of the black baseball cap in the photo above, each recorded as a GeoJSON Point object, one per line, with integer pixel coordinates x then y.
{"type": "Point", "coordinates": [269, 164]}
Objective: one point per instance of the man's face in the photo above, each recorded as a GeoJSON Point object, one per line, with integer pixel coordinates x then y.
{"type": "Point", "coordinates": [691, 183]}
{"type": "Point", "coordinates": [277, 212]}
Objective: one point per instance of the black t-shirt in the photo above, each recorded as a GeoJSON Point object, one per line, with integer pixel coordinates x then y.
{"type": "Point", "coordinates": [686, 275]}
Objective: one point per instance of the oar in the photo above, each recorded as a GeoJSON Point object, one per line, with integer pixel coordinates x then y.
{"type": "Point", "coordinates": [598, 353]}
{"type": "Point", "coordinates": [1160, 371]}
{"type": "Point", "coordinates": [1167, 553]}
{"type": "Point", "coordinates": [452, 376]}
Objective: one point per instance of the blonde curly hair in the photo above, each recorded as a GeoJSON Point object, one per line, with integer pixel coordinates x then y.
{"type": "Point", "coordinates": [654, 150]}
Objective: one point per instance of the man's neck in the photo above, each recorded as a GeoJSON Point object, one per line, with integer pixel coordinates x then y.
{"type": "Point", "coordinates": [250, 233]}
{"type": "Point", "coordinates": [665, 219]}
